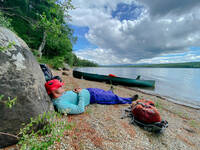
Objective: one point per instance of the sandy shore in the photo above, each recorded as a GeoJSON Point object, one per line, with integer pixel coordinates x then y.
{"type": "Point", "coordinates": [100, 127]}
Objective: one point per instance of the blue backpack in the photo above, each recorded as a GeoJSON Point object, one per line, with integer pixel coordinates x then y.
{"type": "Point", "coordinates": [48, 74]}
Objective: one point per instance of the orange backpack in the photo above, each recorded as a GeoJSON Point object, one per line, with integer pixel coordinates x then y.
{"type": "Point", "coordinates": [145, 111]}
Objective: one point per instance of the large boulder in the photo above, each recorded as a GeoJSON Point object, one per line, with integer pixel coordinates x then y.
{"type": "Point", "coordinates": [21, 77]}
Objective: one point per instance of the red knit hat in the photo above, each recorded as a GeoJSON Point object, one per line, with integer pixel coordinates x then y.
{"type": "Point", "coordinates": [53, 85]}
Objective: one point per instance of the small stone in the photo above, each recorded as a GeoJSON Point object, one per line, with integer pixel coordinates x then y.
{"type": "Point", "coordinates": [65, 73]}
{"type": "Point", "coordinates": [66, 67]}
{"type": "Point", "coordinates": [189, 130]}
{"type": "Point", "coordinates": [60, 69]}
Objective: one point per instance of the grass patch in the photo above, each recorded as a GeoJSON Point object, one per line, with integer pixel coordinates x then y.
{"type": "Point", "coordinates": [88, 111]}
{"type": "Point", "coordinates": [194, 124]}
{"type": "Point", "coordinates": [182, 115]}
{"type": "Point", "coordinates": [159, 106]}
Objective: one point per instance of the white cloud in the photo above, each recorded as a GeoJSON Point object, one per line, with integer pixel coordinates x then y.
{"type": "Point", "coordinates": [101, 56]}
{"type": "Point", "coordinates": [158, 30]}
{"type": "Point", "coordinates": [179, 57]}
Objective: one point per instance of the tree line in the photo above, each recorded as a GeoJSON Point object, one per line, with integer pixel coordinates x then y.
{"type": "Point", "coordinates": [171, 65]}
{"type": "Point", "coordinates": [43, 25]}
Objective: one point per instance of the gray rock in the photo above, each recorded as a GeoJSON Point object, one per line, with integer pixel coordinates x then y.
{"type": "Point", "coordinates": [60, 69]}
{"type": "Point", "coordinates": [66, 67]}
{"type": "Point", "coordinates": [65, 73]}
{"type": "Point", "coordinates": [21, 77]}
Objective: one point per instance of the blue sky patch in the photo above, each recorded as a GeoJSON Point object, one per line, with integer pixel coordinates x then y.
{"type": "Point", "coordinates": [127, 12]}
{"type": "Point", "coordinates": [82, 42]}
{"type": "Point", "coordinates": [193, 48]}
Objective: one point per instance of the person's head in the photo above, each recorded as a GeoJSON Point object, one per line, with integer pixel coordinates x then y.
{"type": "Point", "coordinates": [54, 88]}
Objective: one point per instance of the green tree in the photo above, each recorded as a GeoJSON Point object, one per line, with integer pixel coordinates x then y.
{"type": "Point", "coordinates": [36, 20]}
{"type": "Point", "coordinates": [42, 24]}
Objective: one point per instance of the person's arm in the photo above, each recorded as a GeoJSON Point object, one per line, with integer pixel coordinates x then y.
{"type": "Point", "coordinates": [73, 109]}
{"type": "Point", "coordinates": [77, 90]}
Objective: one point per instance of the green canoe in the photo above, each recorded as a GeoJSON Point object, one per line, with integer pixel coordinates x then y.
{"type": "Point", "coordinates": [114, 80]}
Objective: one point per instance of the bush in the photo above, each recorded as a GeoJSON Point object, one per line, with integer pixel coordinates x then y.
{"type": "Point", "coordinates": [55, 62]}
{"type": "Point", "coordinates": [5, 22]}
{"type": "Point", "coordinates": [52, 130]}
{"type": "Point", "coordinates": [35, 52]}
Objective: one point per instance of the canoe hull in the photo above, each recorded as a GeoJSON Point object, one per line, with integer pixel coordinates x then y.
{"type": "Point", "coordinates": [113, 80]}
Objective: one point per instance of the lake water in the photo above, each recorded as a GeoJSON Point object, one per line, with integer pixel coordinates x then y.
{"type": "Point", "coordinates": [181, 85]}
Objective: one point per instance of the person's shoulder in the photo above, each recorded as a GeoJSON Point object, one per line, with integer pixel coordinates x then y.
{"type": "Point", "coordinates": [57, 99]}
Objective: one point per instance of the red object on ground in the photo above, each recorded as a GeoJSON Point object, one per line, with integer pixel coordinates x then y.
{"type": "Point", "coordinates": [146, 102]}
{"type": "Point", "coordinates": [145, 111]}
{"type": "Point", "coordinates": [112, 75]}
{"type": "Point", "coordinates": [53, 85]}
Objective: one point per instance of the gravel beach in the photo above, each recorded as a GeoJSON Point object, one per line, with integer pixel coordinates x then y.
{"type": "Point", "coordinates": [101, 126]}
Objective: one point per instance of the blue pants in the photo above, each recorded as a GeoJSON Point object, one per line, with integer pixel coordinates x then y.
{"type": "Point", "coordinates": [101, 96]}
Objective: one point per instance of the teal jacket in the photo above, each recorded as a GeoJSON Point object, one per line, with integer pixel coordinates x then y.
{"type": "Point", "coordinates": [72, 102]}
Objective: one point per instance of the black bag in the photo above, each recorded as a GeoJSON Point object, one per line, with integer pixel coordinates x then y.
{"type": "Point", "coordinates": [48, 74]}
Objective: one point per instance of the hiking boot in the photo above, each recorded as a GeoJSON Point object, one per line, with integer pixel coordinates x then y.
{"type": "Point", "coordinates": [135, 97]}
{"type": "Point", "coordinates": [111, 88]}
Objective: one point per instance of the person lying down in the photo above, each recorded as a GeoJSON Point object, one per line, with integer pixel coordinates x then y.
{"type": "Point", "coordinates": [75, 101]}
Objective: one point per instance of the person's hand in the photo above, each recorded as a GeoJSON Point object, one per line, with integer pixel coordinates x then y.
{"type": "Point", "coordinates": [77, 90]}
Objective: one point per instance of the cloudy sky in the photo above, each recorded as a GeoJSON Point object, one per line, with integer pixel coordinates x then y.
{"type": "Point", "coordinates": [137, 31]}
